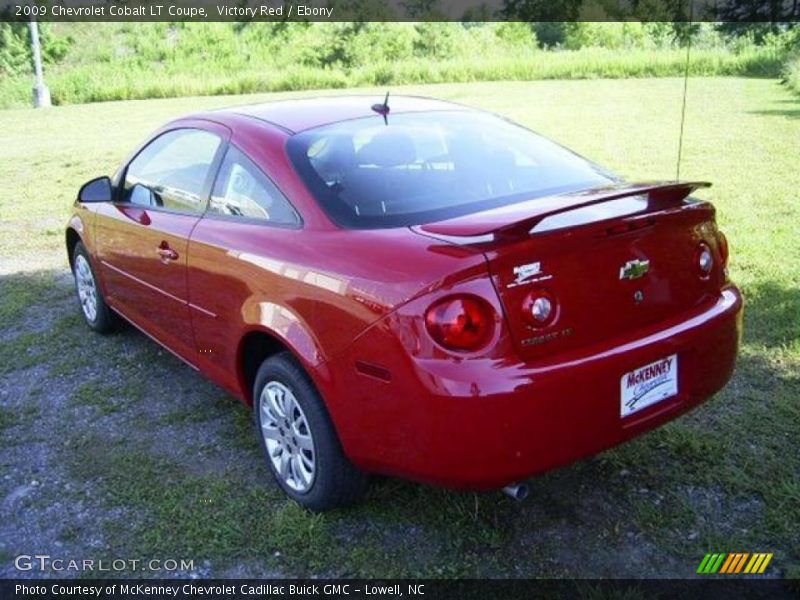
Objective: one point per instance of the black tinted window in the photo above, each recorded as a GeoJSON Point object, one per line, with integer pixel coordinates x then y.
{"type": "Point", "coordinates": [423, 167]}
{"type": "Point", "coordinates": [242, 190]}
{"type": "Point", "coordinates": [172, 171]}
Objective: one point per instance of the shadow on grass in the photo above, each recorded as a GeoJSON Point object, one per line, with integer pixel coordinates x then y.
{"type": "Point", "coordinates": [790, 112]}
{"type": "Point", "coordinates": [771, 314]}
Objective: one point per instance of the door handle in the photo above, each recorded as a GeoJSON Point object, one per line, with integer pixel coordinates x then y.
{"type": "Point", "coordinates": [166, 253]}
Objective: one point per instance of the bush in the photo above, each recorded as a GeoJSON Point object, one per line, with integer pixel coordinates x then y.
{"type": "Point", "coordinates": [791, 73]}
{"type": "Point", "coordinates": [15, 47]}
{"type": "Point", "coordinates": [517, 35]}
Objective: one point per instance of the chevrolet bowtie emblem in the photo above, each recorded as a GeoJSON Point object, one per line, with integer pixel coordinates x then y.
{"type": "Point", "coordinates": [633, 269]}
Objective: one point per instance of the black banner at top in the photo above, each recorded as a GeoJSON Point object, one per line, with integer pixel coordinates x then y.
{"type": "Point", "coordinates": [771, 11]}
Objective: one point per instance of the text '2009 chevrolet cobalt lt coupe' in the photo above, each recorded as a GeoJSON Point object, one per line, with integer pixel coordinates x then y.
{"type": "Point", "coordinates": [421, 290]}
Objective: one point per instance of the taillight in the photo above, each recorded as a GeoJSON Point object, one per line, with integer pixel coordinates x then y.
{"type": "Point", "coordinates": [704, 260]}
{"type": "Point", "coordinates": [463, 323]}
{"type": "Point", "coordinates": [722, 242]}
{"type": "Point", "coordinates": [539, 308]}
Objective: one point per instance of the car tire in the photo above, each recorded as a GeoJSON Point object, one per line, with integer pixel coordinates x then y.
{"type": "Point", "coordinates": [97, 314]}
{"type": "Point", "coordinates": [299, 441]}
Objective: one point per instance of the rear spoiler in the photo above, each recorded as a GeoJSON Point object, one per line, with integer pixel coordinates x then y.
{"type": "Point", "coordinates": [523, 216]}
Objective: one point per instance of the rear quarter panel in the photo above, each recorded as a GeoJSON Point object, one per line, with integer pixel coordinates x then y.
{"type": "Point", "coordinates": [315, 290]}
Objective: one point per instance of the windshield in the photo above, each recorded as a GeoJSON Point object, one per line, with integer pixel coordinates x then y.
{"type": "Point", "coordinates": [425, 167]}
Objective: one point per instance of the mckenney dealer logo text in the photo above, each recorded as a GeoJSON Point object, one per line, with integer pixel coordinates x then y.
{"type": "Point", "coordinates": [194, 589]}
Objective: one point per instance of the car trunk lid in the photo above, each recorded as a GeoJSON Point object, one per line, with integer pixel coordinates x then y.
{"type": "Point", "coordinates": [613, 260]}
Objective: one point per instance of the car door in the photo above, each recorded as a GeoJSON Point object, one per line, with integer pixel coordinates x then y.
{"type": "Point", "coordinates": [142, 237]}
{"type": "Point", "coordinates": [241, 249]}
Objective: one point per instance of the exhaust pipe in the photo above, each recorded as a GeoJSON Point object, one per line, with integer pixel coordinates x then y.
{"type": "Point", "coordinates": [517, 491]}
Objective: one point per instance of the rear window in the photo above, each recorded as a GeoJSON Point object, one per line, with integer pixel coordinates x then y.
{"type": "Point", "coordinates": [425, 167]}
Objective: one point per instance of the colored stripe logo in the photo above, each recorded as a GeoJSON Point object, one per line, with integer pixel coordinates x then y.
{"type": "Point", "coordinates": [735, 562]}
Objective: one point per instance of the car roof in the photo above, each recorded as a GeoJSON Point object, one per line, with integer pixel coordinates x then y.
{"type": "Point", "coordinates": [295, 115]}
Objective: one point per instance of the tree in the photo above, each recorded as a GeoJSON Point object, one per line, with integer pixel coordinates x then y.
{"type": "Point", "coordinates": [479, 14]}
{"type": "Point", "coordinates": [423, 9]}
{"type": "Point", "coordinates": [362, 10]}
{"type": "Point", "coordinates": [541, 10]}
{"type": "Point", "coordinates": [549, 18]}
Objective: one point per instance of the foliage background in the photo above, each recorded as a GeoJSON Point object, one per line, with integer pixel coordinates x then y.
{"type": "Point", "coordinates": [89, 62]}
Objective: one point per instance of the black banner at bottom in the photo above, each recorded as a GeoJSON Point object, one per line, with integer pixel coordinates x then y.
{"type": "Point", "coordinates": [422, 589]}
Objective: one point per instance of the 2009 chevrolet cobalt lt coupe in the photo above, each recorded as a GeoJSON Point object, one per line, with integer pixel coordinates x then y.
{"type": "Point", "coordinates": [412, 288]}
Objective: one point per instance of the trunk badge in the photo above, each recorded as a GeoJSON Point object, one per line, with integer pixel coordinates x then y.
{"type": "Point", "coordinates": [525, 272]}
{"type": "Point", "coordinates": [633, 269]}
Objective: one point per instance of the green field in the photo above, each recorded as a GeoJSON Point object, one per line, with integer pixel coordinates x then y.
{"type": "Point", "coordinates": [161, 463]}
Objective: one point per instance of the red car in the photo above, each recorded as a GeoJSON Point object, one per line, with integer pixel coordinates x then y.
{"type": "Point", "coordinates": [413, 288]}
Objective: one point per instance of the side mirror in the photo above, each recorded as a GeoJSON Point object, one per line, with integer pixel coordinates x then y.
{"type": "Point", "coordinates": [96, 190]}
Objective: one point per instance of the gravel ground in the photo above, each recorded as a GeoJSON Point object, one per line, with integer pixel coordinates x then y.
{"type": "Point", "coordinates": [46, 508]}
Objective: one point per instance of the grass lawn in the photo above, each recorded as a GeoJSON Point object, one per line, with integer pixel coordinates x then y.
{"type": "Point", "coordinates": [135, 455]}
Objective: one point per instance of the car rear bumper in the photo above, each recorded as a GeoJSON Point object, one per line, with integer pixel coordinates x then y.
{"type": "Point", "coordinates": [495, 422]}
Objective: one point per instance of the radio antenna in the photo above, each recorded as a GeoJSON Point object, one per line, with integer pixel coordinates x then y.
{"type": "Point", "coordinates": [383, 109]}
{"type": "Point", "coordinates": [685, 88]}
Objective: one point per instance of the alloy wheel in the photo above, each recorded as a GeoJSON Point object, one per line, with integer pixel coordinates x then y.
{"type": "Point", "coordinates": [287, 436]}
{"type": "Point", "coordinates": [87, 289]}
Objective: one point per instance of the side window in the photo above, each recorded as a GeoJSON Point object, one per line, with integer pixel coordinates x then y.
{"type": "Point", "coordinates": [242, 190]}
{"type": "Point", "coordinates": [171, 172]}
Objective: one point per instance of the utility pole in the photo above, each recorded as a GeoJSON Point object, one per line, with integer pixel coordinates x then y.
{"type": "Point", "coordinates": [41, 94]}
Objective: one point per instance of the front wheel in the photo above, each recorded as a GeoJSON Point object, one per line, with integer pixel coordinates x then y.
{"type": "Point", "coordinates": [299, 441]}
{"type": "Point", "coordinates": [97, 314]}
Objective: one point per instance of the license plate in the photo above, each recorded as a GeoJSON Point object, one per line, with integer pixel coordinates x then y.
{"type": "Point", "coordinates": [649, 384]}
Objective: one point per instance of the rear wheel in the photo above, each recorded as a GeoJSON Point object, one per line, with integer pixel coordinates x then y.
{"type": "Point", "coordinates": [97, 314]}
{"type": "Point", "coordinates": [299, 441]}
